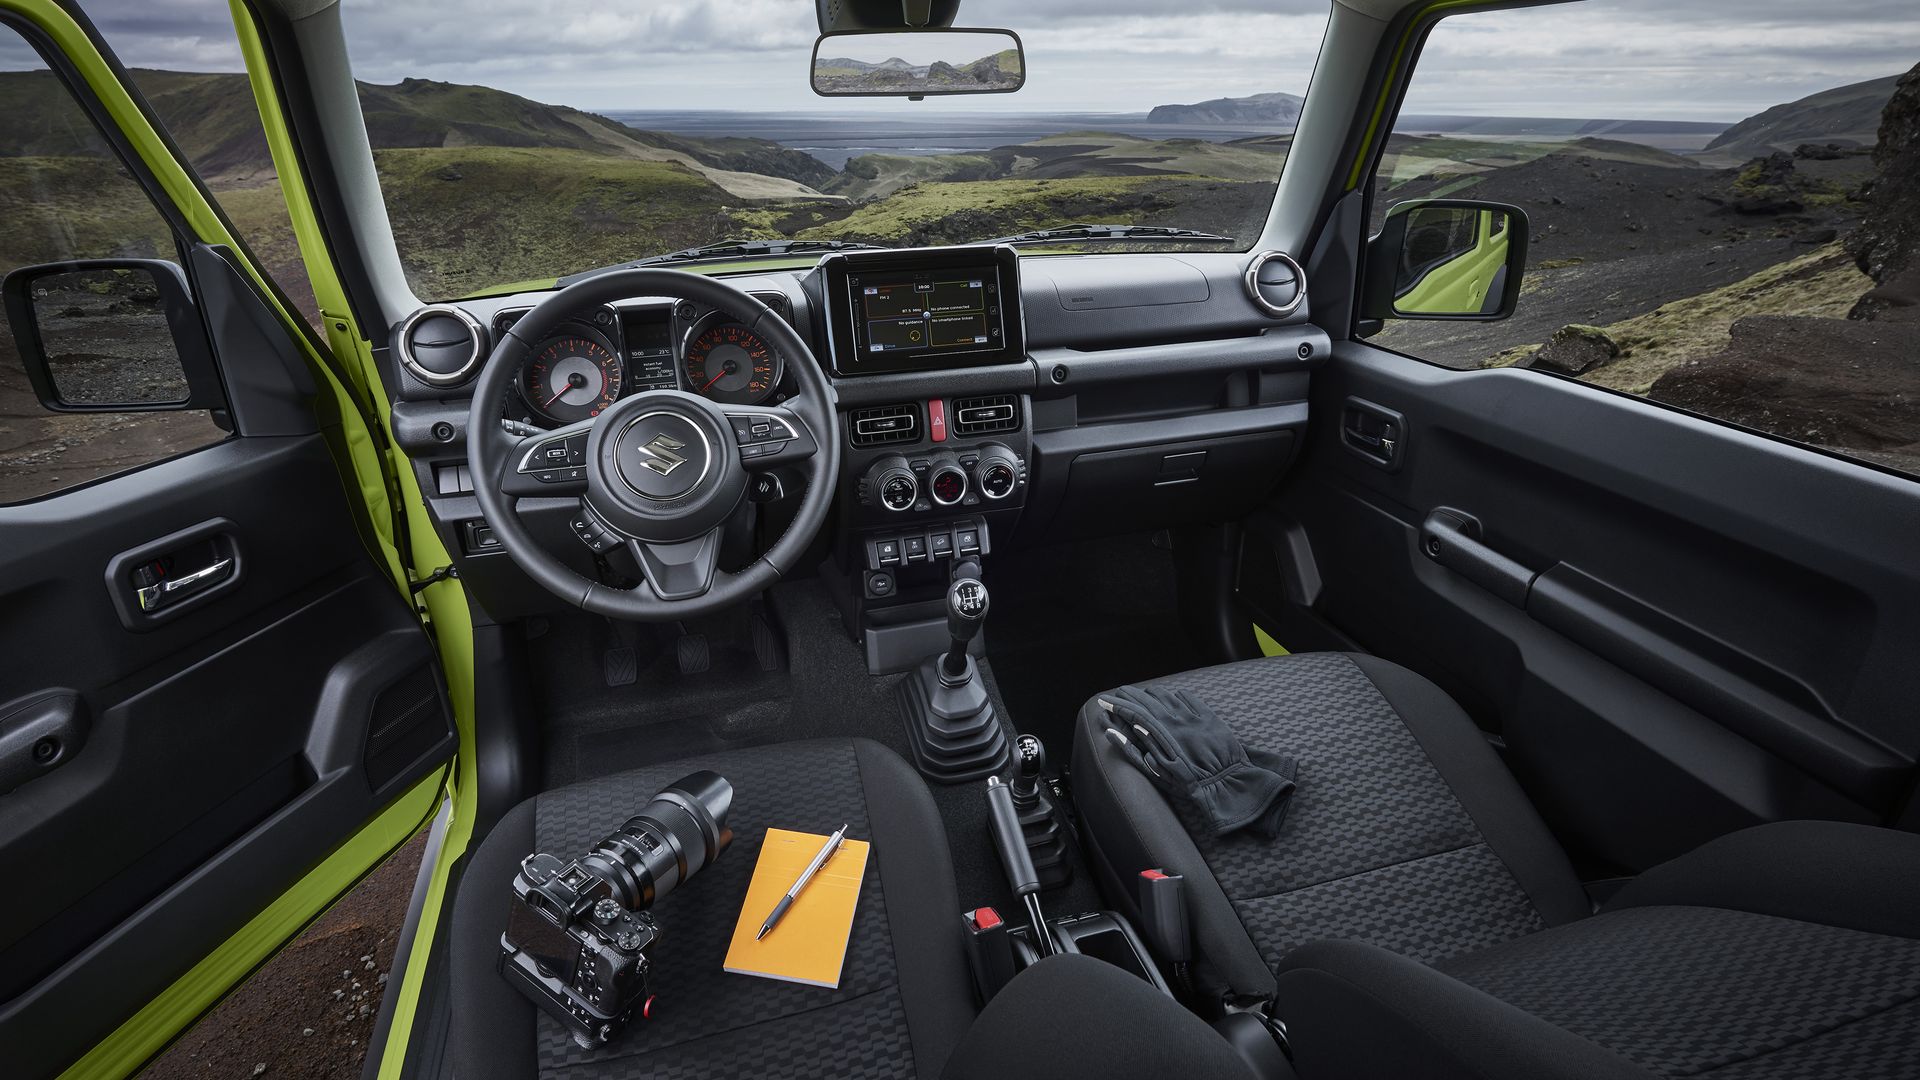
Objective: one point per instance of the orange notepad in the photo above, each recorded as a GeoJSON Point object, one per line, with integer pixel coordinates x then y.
{"type": "Point", "coordinates": [809, 943]}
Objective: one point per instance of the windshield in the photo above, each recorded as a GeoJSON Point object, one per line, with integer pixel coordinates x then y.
{"type": "Point", "coordinates": [537, 143]}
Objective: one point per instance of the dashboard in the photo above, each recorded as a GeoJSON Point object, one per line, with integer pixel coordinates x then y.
{"type": "Point", "coordinates": [987, 400]}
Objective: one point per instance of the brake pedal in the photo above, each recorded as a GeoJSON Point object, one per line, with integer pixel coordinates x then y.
{"type": "Point", "coordinates": [620, 666]}
{"type": "Point", "coordinates": [694, 655]}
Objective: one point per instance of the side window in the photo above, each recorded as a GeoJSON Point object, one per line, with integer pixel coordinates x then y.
{"type": "Point", "coordinates": [1723, 213]}
{"type": "Point", "coordinates": [65, 195]}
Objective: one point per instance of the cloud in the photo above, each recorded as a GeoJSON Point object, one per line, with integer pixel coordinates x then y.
{"type": "Point", "coordinates": [1709, 59]}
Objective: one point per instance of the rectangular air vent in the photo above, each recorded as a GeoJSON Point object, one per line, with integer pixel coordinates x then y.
{"type": "Point", "coordinates": [883, 425]}
{"type": "Point", "coordinates": [985, 415]}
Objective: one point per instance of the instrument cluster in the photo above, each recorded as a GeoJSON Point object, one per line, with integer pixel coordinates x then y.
{"type": "Point", "coordinates": [596, 358]}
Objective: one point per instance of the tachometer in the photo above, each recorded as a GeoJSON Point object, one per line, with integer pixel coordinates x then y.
{"type": "Point", "coordinates": [571, 378]}
{"type": "Point", "coordinates": [729, 363]}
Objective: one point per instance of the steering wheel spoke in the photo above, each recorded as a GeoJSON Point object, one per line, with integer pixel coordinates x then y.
{"type": "Point", "coordinates": [770, 435]}
{"type": "Point", "coordinates": [679, 571]}
{"type": "Point", "coordinates": [552, 463]}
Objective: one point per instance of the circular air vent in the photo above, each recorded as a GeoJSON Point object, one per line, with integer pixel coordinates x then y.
{"type": "Point", "coordinates": [440, 344]}
{"type": "Point", "coordinates": [1275, 283]}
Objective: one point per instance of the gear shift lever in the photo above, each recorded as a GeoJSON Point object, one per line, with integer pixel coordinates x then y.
{"type": "Point", "coordinates": [1043, 830]}
{"type": "Point", "coordinates": [966, 610]}
{"type": "Point", "coordinates": [951, 726]}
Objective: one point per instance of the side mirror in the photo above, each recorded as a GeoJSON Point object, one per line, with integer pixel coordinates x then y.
{"type": "Point", "coordinates": [917, 63]}
{"type": "Point", "coordinates": [1443, 259]}
{"type": "Point", "coordinates": [111, 335]}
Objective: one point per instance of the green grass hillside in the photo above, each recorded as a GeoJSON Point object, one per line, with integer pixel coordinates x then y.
{"type": "Point", "coordinates": [473, 216]}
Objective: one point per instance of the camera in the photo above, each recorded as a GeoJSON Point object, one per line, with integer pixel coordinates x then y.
{"type": "Point", "coordinates": [579, 936]}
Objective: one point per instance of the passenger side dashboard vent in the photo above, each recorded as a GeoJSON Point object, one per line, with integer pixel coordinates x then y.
{"type": "Point", "coordinates": [985, 415]}
{"type": "Point", "coordinates": [883, 425]}
{"type": "Point", "coordinates": [1275, 283]}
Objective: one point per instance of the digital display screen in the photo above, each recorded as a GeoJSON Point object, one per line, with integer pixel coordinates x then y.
{"type": "Point", "coordinates": [649, 349]}
{"type": "Point", "coordinates": [940, 312]}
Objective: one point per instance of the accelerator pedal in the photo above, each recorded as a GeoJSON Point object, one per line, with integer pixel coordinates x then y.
{"type": "Point", "coordinates": [769, 645]}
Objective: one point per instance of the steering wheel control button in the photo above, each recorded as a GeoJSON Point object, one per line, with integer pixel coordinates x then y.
{"type": "Point", "coordinates": [762, 428]}
{"type": "Point", "coordinates": [593, 532]}
{"type": "Point", "coordinates": [663, 456]}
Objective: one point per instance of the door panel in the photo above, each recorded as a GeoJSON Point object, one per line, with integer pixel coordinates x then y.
{"type": "Point", "coordinates": [1677, 628]}
{"type": "Point", "coordinates": [227, 749]}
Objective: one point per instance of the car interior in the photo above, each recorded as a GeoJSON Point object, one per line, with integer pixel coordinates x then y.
{"type": "Point", "coordinates": [1592, 720]}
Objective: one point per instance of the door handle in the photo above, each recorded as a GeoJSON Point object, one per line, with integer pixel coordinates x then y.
{"type": "Point", "coordinates": [155, 594]}
{"type": "Point", "coordinates": [167, 577]}
{"type": "Point", "coordinates": [1374, 432]}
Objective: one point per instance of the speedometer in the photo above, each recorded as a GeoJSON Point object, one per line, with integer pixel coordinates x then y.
{"type": "Point", "coordinates": [571, 378]}
{"type": "Point", "coordinates": [729, 363]}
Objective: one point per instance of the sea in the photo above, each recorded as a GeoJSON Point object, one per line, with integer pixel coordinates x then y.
{"type": "Point", "coordinates": [833, 139]}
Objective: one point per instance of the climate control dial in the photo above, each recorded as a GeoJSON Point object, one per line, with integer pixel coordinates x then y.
{"type": "Point", "coordinates": [946, 480]}
{"type": "Point", "coordinates": [891, 485]}
{"type": "Point", "coordinates": [998, 473]}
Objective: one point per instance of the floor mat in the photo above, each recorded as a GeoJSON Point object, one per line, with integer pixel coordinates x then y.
{"type": "Point", "coordinates": [594, 730]}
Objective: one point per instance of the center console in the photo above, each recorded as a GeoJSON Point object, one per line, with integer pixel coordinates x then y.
{"type": "Point", "coordinates": [928, 479]}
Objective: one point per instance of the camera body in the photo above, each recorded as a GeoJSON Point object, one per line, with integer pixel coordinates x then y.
{"type": "Point", "coordinates": [575, 950]}
{"type": "Point", "coordinates": [578, 935]}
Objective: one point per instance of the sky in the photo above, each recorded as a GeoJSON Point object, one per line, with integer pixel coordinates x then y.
{"type": "Point", "coordinates": [1667, 59]}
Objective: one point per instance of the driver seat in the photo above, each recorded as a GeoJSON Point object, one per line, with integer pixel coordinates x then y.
{"type": "Point", "coordinates": [905, 996]}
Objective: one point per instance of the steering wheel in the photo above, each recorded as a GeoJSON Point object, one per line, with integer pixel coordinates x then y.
{"type": "Point", "coordinates": [659, 472]}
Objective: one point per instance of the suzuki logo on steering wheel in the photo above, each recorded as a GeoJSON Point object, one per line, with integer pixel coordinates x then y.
{"type": "Point", "coordinates": [658, 454]}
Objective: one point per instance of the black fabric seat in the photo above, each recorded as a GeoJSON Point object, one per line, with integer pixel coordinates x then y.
{"type": "Point", "coordinates": [1414, 917]}
{"type": "Point", "coordinates": [905, 995]}
{"type": "Point", "coordinates": [1405, 832]}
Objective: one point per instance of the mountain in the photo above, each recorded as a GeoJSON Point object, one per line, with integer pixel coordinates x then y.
{"type": "Point", "coordinates": [212, 117]}
{"type": "Point", "coordinates": [1275, 108]}
{"type": "Point", "coordinates": [1849, 115]}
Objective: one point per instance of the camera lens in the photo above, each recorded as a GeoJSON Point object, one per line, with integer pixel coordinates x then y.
{"type": "Point", "coordinates": [682, 830]}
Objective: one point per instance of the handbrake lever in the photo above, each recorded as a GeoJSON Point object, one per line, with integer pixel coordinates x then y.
{"type": "Point", "coordinates": [1017, 862]}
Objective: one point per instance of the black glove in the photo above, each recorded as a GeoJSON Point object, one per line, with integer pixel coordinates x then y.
{"type": "Point", "coordinates": [1195, 759]}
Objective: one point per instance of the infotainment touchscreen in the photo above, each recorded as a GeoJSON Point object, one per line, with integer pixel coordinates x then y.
{"type": "Point", "coordinates": [923, 310]}
{"type": "Point", "coordinates": [951, 311]}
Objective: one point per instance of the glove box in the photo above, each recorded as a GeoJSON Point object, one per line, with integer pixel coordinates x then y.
{"type": "Point", "coordinates": [1140, 475]}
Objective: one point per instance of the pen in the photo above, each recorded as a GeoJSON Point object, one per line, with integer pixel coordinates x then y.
{"type": "Point", "coordinates": [832, 845]}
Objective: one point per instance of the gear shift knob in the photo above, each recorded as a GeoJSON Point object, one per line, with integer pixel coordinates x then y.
{"type": "Point", "coordinates": [1029, 757]}
{"type": "Point", "coordinates": [966, 610]}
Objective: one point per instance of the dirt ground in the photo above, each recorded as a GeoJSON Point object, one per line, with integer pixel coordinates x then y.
{"type": "Point", "coordinates": [308, 1012]}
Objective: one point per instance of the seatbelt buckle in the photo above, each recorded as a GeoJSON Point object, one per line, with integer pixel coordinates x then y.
{"type": "Point", "coordinates": [989, 951]}
{"type": "Point", "coordinates": [1163, 916]}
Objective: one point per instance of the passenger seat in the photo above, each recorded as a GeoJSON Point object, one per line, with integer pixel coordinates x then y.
{"type": "Point", "coordinates": [1415, 918]}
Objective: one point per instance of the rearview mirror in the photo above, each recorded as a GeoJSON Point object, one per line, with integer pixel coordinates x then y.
{"type": "Point", "coordinates": [111, 335]}
{"type": "Point", "coordinates": [916, 63]}
{"type": "Point", "coordinates": [1447, 259]}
